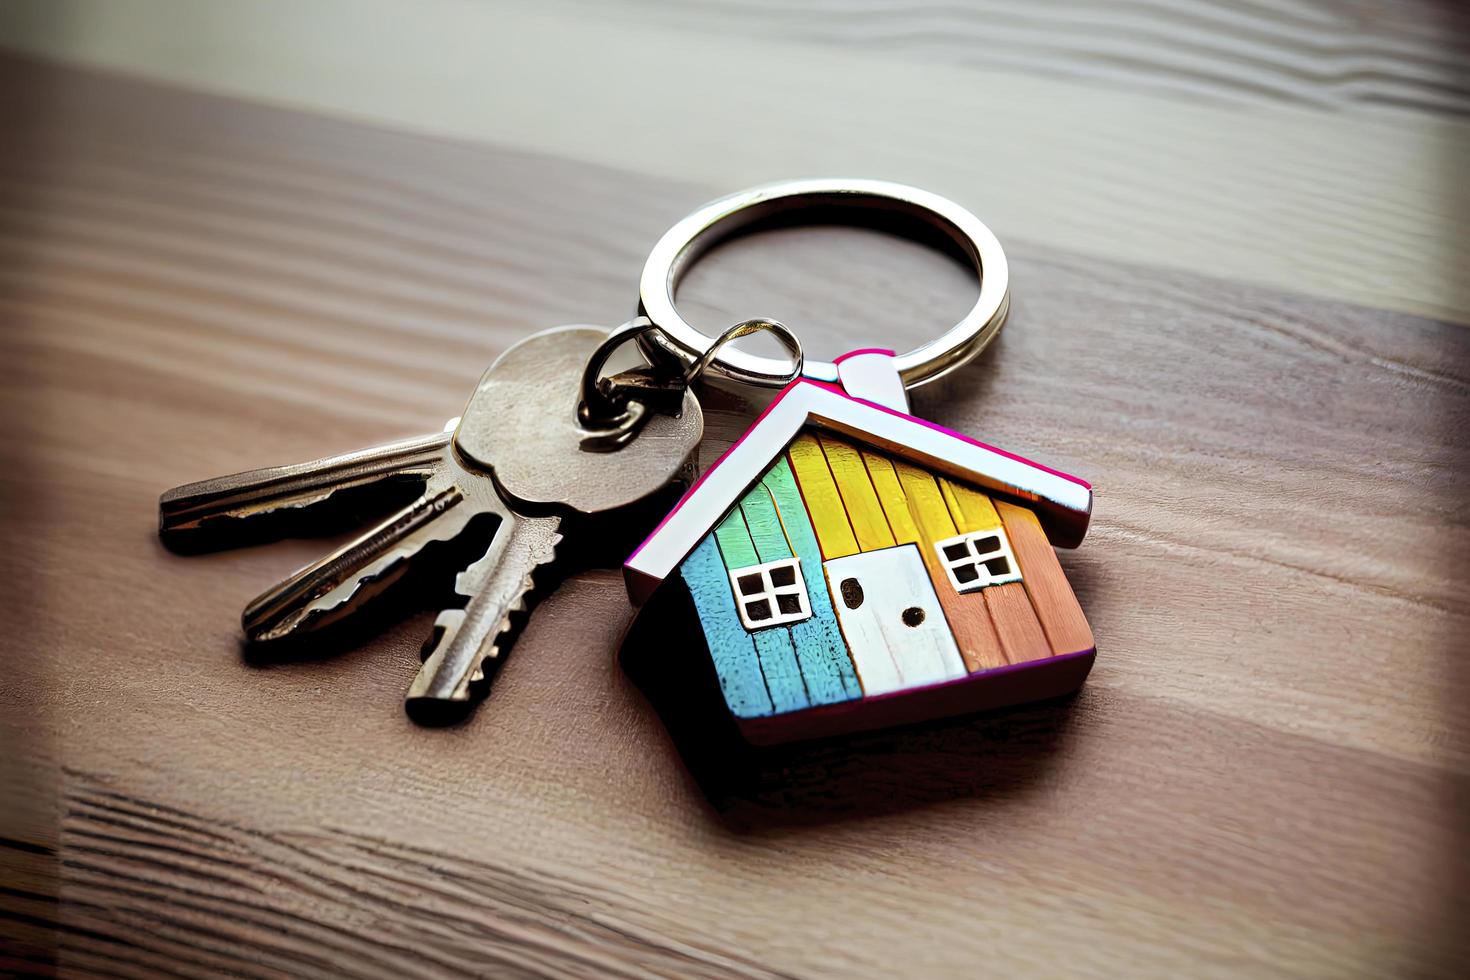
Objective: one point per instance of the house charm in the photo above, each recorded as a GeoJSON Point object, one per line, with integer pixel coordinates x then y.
{"type": "Point", "coordinates": [852, 566]}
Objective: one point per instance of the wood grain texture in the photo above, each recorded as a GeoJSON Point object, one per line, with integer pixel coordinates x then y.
{"type": "Point", "coordinates": [781, 669]}
{"type": "Point", "coordinates": [740, 547]}
{"type": "Point", "coordinates": [764, 524]}
{"type": "Point", "coordinates": [227, 899]}
{"type": "Point", "coordinates": [1266, 774]}
{"type": "Point", "coordinates": [969, 617]}
{"type": "Point", "coordinates": [1016, 621]}
{"type": "Point", "coordinates": [1342, 201]}
{"type": "Point", "coordinates": [825, 665]}
{"type": "Point", "coordinates": [731, 648]}
{"type": "Point", "coordinates": [1020, 632]}
{"type": "Point", "coordinates": [1319, 53]}
{"type": "Point", "coordinates": [869, 525]}
{"type": "Point", "coordinates": [889, 654]}
{"type": "Point", "coordinates": [925, 502]}
{"type": "Point", "coordinates": [891, 497]}
{"type": "Point", "coordinates": [823, 502]}
{"type": "Point", "coordinates": [970, 509]}
{"type": "Point", "coordinates": [1051, 594]}
{"type": "Point", "coordinates": [737, 549]}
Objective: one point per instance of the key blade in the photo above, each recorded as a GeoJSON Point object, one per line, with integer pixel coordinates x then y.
{"type": "Point", "coordinates": [502, 585]}
{"type": "Point", "coordinates": [329, 589]}
{"type": "Point", "coordinates": [196, 514]}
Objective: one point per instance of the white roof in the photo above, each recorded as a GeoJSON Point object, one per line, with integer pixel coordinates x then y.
{"type": "Point", "coordinates": [1062, 502]}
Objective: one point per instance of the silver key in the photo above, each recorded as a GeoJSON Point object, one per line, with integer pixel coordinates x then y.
{"type": "Point", "coordinates": [495, 587]}
{"type": "Point", "coordinates": [228, 509]}
{"type": "Point", "coordinates": [518, 456]}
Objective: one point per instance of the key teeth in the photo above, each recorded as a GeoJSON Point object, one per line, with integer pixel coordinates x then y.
{"type": "Point", "coordinates": [179, 530]}
{"type": "Point", "coordinates": [447, 707]}
{"type": "Point", "coordinates": [322, 593]}
{"type": "Point", "coordinates": [311, 615]}
{"type": "Point", "coordinates": [530, 590]}
{"type": "Point", "coordinates": [260, 628]}
{"type": "Point", "coordinates": [507, 631]}
{"type": "Point", "coordinates": [446, 625]}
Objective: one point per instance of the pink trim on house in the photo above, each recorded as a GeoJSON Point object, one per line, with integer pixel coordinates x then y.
{"type": "Point", "coordinates": [716, 464]}
{"type": "Point", "coordinates": [862, 350]}
{"type": "Point", "coordinates": [837, 389]}
{"type": "Point", "coordinates": [1064, 513]}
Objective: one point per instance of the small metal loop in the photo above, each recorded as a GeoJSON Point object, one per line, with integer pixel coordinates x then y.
{"type": "Point", "coordinates": [598, 409]}
{"type": "Point", "coordinates": [612, 414]}
{"type": "Point", "coordinates": [745, 328]}
{"type": "Point", "coordinates": [878, 202]}
{"type": "Point", "coordinates": [619, 433]}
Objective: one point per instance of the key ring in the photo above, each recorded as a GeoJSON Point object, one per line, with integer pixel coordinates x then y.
{"type": "Point", "coordinates": [613, 409]}
{"type": "Point", "coordinates": [874, 200]}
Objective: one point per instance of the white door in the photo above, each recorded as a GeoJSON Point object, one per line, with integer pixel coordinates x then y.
{"type": "Point", "coordinates": [891, 620]}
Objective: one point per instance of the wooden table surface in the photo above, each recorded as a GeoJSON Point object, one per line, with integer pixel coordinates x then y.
{"type": "Point", "coordinates": [1266, 774]}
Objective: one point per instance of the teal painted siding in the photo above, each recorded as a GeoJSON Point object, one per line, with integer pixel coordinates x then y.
{"type": "Point", "coordinates": [825, 664]}
{"type": "Point", "coordinates": [772, 646]}
{"type": "Point", "coordinates": [764, 525]}
{"type": "Point", "coordinates": [783, 668]}
{"type": "Point", "coordinates": [731, 648]}
{"type": "Point", "coordinates": [734, 541]}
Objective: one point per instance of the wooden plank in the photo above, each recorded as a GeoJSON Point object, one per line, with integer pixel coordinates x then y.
{"type": "Point", "coordinates": [782, 670]}
{"type": "Point", "coordinates": [970, 509]}
{"type": "Point", "coordinates": [1051, 594]}
{"type": "Point", "coordinates": [1015, 622]}
{"type": "Point", "coordinates": [820, 648]}
{"type": "Point", "coordinates": [859, 499]}
{"type": "Point", "coordinates": [969, 617]}
{"type": "Point", "coordinates": [823, 502]}
{"type": "Point", "coordinates": [1015, 131]}
{"type": "Point", "coordinates": [892, 620]}
{"type": "Point", "coordinates": [730, 647]}
{"type": "Point", "coordinates": [926, 503]}
{"type": "Point", "coordinates": [764, 525]}
{"type": "Point", "coordinates": [773, 646]}
{"type": "Point", "coordinates": [1008, 143]}
{"type": "Point", "coordinates": [218, 285]}
{"type": "Point", "coordinates": [736, 547]}
{"type": "Point", "coordinates": [891, 497]}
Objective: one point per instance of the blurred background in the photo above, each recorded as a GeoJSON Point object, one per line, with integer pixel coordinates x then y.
{"type": "Point", "coordinates": [1313, 145]}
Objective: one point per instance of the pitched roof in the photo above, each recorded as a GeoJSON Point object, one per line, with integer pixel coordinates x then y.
{"type": "Point", "coordinates": [1062, 502]}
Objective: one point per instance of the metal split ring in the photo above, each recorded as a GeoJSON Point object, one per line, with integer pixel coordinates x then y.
{"type": "Point", "coordinates": [878, 202]}
{"type": "Point", "coordinates": [600, 410]}
{"type": "Point", "coordinates": [612, 410]}
{"type": "Point", "coordinates": [745, 328]}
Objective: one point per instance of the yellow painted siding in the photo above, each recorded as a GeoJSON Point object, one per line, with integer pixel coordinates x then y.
{"type": "Point", "coordinates": [823, 502]}
{"type": "Point", "coordinates": [971, 509]}
{"type": "Point", "coordinates": [926, 502]}
{"type": "Point", "coordinates": [891, 498]}
{"type": "Point", "coordinates": [915, 493]}
{"type": "Point", "coordinates": [860, 500]}
{"type": "Point", "coordinates": [865, 513]}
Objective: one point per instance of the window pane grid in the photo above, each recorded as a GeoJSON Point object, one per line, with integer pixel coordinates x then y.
{"type": "Point", "coordinates": [771, 594]}
{"type": "Point", "coordinates": [978, 560]}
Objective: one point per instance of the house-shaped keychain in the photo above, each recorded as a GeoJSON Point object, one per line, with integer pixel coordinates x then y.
{"type": "Point", "coordinates": [851, 566]}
